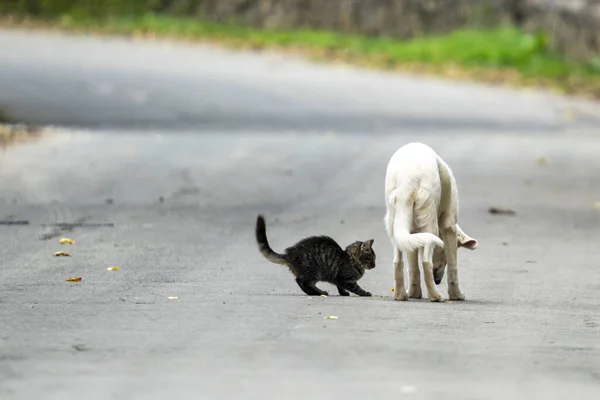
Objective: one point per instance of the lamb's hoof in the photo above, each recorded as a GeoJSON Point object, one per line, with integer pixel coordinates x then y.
{"type": "Point", "coordinates": [401, 296]}
{"type": "Point", "coordinates": [436, 298]}
{"type": "Point", "coordinates": [415, 293]}
{"type": "Point", "coordinates": [457, 296]}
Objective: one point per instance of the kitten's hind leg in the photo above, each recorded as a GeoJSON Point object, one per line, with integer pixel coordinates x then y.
{"type": "Point", "coordinates": [310, 289]}
{"type": "Point", "coordinates": [355, 288]}
{"type": "Point", "coordinates": [342, 291]}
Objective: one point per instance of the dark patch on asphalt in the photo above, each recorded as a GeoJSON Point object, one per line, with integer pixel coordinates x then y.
{"type": "Point", "coordinates": [501, 211]}
{"type": "Point", "coordinates": [11, 222]}
{"type": "Point", "coordinates": [80, 347]}
{"type": "Point", "coordinates": [61, 227]}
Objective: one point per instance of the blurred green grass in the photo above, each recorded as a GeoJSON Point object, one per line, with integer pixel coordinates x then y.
{"type": "Point", "coordinates": [504, 47]}
{"type": "Point", "coordinates": [504, 55]}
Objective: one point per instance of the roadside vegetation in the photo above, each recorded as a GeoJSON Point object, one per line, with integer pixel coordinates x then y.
{"type": "Point", "coordinates": [11, 133]}
{"type": "Point", "coordinates": [501, 55]}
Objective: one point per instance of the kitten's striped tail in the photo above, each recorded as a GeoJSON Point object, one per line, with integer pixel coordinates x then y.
{"type": "Point", "coordinates": [263, 243]}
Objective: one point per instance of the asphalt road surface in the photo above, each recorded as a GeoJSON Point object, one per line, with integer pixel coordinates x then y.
{"type": "Point", "coordinates": [190, 143]}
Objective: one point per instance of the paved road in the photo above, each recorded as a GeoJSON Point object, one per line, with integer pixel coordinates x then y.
{"type": "Point", "coordinates": [223, 136]}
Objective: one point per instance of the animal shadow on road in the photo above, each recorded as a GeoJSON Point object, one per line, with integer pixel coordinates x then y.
{"type": "Point", "coordinates": [468, 302]}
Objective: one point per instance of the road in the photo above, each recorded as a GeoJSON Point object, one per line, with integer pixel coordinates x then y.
{"type": "Point", "coordinates": [222, 136]}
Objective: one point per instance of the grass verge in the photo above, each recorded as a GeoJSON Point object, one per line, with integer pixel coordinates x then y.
{"type": "Point", "coordinates": [11, 133]}
{"type": "Point", "coordinates": [501, 55]}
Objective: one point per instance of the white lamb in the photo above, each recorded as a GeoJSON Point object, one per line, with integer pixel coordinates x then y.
{"type": "Point", "coordinates": [422, 216]}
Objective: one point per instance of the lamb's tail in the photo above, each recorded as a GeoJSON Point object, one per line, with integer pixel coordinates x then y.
{"type": "Point", "coordinates": [263, 243]}
{"type": "Point", "coordinates": [398, 226]}
{"type": "Point", "coordinates": [416, 241]}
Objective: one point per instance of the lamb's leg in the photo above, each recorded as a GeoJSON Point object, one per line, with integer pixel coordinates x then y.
{"type": "Point", "coordinates": [426, 254]}
{"type": "Point", "coordinates": [414, 292]}
{"type": "Point", "coordinates": [448, 235]}
{"type": "Point", "coordinates": [399, 289]}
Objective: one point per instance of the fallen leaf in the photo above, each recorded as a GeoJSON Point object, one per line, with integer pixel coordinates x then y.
{"type": "Point", "coordinates": [501, 211]}
{"type": "Point", "coordinates": [113, 268]}
{"type": "Point", "coordinates": [542, 161]}
{"type": "Point", "coordinates": [331, 317]}
{"type": "Point", "coordinates": [61, 254]}
{"type": "Point", "coordinates": [391, 289]}
{"type": "Point", "coordinates": [569, 114]}
{"type": "Point", "coordinates": [80, 347]}
{"type": "Point", "coordinates": [76, 279]}
{"type": "Point", "coordinates": [172, 297]}
{"type": "Point", "coordinates": [66, 241]}
{"type": "Point", "coordinates": [324, 295]}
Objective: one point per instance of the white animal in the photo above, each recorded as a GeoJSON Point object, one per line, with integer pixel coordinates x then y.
{"type": "Point", "coordinates": [422, 221]}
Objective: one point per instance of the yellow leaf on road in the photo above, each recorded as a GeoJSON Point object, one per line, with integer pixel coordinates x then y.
{"type": "Point", "coordinates": [569, 114]}
{"type": "Point", "coordinates": [61, 254]}
{"type": "Point", "coordinates": [66, 241]}
{"type": "Point", "coordinates": [76, 279]}
{"type": "Point", "coordinates": [542, 161]}
{"type": "Point", "coordinates": [113, 268]}
{"type": "Point", "coordinates": [331, 317]}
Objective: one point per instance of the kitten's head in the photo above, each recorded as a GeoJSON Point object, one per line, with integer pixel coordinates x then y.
{"type": "Point", "coordinates": [363, 253]}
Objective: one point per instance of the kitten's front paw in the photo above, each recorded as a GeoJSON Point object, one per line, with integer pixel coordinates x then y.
{"type": "Point", "coordinates": [401, 295]}
{"type": "Point", "coordinates": [324, 293]}
{"type": "Point", "coordinates": [344, 294]}
{"type": "Point", "coordinates": [366, 294]}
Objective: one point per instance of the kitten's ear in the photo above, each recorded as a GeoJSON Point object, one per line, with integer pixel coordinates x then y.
{"type": "Point", "coordinates": [368, 244]}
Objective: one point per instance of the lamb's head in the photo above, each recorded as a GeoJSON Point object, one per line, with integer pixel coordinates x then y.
{"type": "Point", "coordinates": [439, 255]}
{"type": "Point", "coordinates": [439, 264]}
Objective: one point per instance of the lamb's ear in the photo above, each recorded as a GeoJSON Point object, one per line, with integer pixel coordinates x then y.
{"type": "Point", "coordinates": [464, 240]}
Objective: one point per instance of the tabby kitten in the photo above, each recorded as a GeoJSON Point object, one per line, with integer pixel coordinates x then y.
{"type": "Point", "coordinates": [321, 259]}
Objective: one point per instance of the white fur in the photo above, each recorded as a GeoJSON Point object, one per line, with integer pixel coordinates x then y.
{"type": "Point", "coordinates": [422, 220]}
